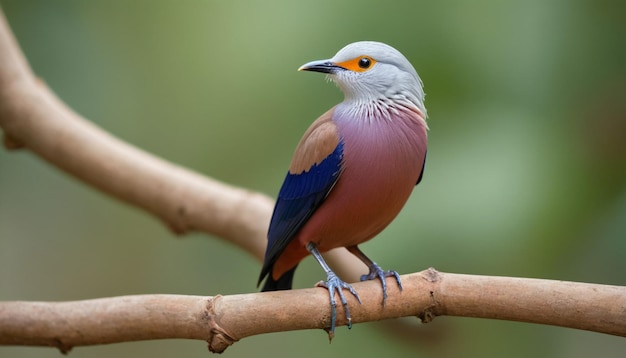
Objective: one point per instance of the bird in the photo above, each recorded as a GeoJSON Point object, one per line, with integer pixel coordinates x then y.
{"type": "Point", "coordinates": [352, 171]}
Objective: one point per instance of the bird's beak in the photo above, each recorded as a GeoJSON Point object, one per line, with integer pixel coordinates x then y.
{"type": "Point", "coordinates": [323, 66]}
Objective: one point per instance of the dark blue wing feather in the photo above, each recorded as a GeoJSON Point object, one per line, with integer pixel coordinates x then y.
{"type": "Point", "coordinates": [299, 197]}
{"type": "Point", "coordinates": [423, 167]}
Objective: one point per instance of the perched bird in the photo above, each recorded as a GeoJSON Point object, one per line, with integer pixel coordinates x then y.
{"type": "Point", "coordinates": [353, 170]}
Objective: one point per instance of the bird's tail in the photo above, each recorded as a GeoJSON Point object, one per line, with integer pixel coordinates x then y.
{"type": "Point", "coordinates": [284, 282]}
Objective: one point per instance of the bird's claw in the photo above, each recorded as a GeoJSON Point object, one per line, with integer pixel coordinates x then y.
{"type": "Point", "coordinates": [376, 272]}
{"type": "Point", "coordinates": [334, 283]}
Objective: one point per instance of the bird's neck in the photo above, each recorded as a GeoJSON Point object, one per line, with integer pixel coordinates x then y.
{"type": "Point", "coordinates": [383, 99]}
{"type": "Point", "coordinates": [381, 109]}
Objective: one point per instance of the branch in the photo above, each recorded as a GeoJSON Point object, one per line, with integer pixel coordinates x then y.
{"type": "Point", "coordinates": [33, 117]}
{"type": "Point", "coordinates": [223, 320]}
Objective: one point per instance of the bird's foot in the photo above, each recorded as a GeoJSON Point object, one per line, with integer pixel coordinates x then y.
{"type": "Point", "coordinates": [376, 272]}
{"type": "Point", "coordinates": [334, 283]}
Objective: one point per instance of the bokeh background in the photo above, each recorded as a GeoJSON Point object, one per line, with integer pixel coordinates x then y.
{"type": "Point", "coordinates": [526, 174]}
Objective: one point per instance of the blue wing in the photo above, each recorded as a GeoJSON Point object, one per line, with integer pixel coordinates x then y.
{"type": "Point", "coordinates": [299, 197]}
{"type": "Point", "coordinates": [423, 167]}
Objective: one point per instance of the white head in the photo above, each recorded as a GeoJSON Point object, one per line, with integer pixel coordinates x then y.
{"type": "Point", "coordinates": [370, 71]}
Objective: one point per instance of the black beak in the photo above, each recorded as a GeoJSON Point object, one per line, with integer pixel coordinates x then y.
{"type": "Point", "coordinates": [324, 66]}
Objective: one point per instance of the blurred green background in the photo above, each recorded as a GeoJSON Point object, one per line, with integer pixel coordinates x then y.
{"type": "Point", "coordinates": [525, 175]}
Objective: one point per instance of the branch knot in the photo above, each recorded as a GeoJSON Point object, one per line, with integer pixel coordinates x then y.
{"type": "Point", "coordinates": [219, 338]}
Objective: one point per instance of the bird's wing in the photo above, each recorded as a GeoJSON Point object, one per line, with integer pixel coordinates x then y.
{"type": "Point", "coordinates": [314, 170]}
{"type": "Point", "coordinates": [423, 167]}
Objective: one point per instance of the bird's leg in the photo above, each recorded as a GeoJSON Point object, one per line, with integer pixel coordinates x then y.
{"type": "Point", "coordinates": [375, 271]}
{"type": "Point", "coordinates": [333, 283]}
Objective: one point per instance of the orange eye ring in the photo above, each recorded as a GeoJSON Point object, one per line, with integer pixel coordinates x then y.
{"type": "Point", "coordinates": [358, 64]}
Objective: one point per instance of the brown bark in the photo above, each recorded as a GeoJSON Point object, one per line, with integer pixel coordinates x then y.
{"type": "Point", "coordinates": [223, 320]}
{"type": "Point", "coordinates": [32, 117]}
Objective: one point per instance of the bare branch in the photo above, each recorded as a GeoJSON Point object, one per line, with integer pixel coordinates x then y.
{"type": "Point", "coordinates": [32, 117]}
{"type": "Point", "coordinates": [223, 320]}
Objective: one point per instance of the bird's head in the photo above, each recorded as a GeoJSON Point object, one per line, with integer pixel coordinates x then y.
{"type": "Point", "coordinates": [370, 71]}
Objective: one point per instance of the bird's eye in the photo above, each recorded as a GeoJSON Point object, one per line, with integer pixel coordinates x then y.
{"type": "Point", "coordinates": [365, 62]}
{"type": "Point", "coordinates": [358, 64]}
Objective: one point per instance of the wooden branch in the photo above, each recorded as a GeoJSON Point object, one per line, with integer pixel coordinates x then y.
{"type": "Point", "coordinates": [223, 320]}
{"type": "Point", "coordinates": [32, 117]}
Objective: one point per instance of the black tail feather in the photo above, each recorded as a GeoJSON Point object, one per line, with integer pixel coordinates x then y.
{"type": "Point", "coordinates": [284, 282]}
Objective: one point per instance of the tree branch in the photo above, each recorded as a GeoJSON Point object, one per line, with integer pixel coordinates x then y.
{"type": "Point", "coordinates": [223, 320]}
{"type": "Point", "coordinates": [32, 117]}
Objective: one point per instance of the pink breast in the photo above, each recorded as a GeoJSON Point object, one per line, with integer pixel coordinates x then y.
{"type": "Point", "coordinates": [382, 161]}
